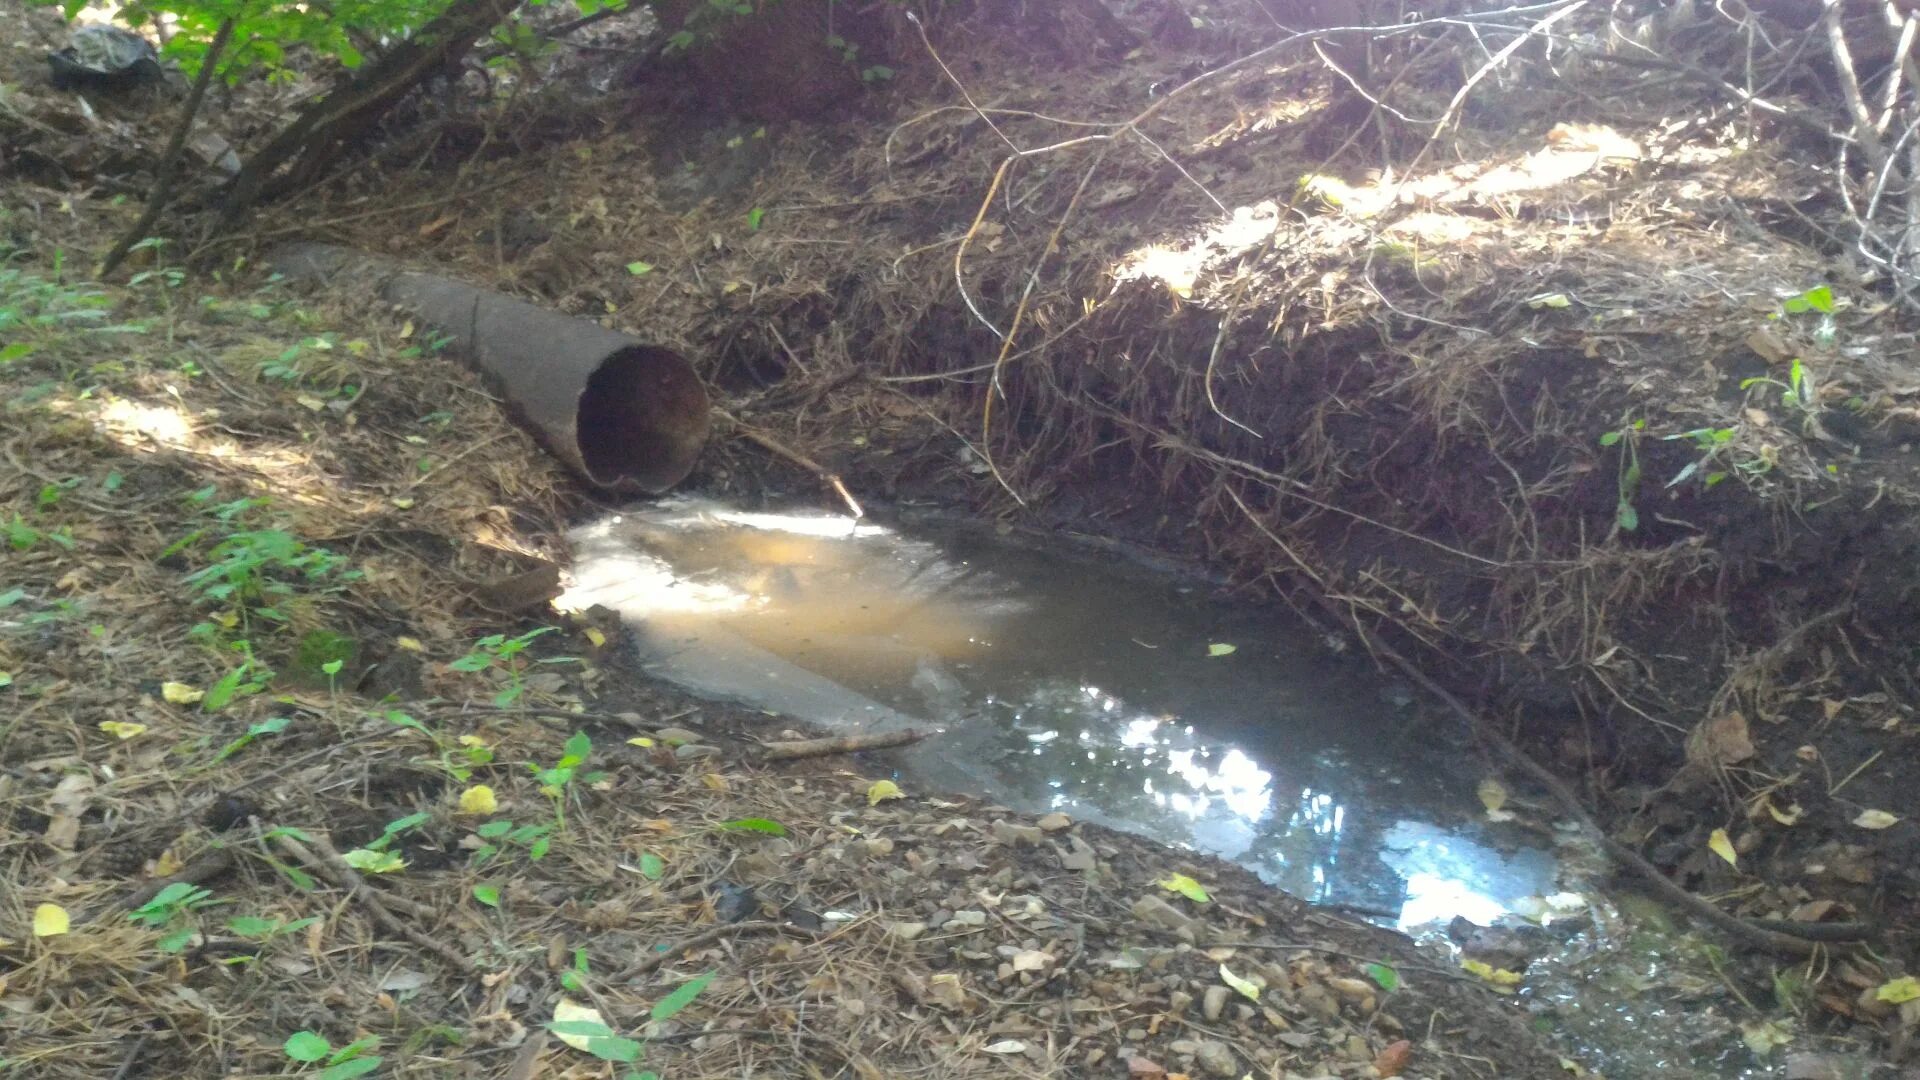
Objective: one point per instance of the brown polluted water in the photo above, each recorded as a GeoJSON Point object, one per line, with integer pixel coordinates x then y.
{"type": "Point", "coordinates": [1058, 679]}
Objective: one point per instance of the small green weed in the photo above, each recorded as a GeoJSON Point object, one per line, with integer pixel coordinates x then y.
{"type": "Point", "coordinates": [248, 568]}
{"type": "Point", "coordinates": [501, 653]}
{"type": "Point", "coordinates": [601, 1041]}
{"type": "Point", "coordinates": [172, 909]}
{"type": "Point", "coordinates": [375, 858]}
{"type": "Point", "coordinates": [357, 1058]}
{"type": "Point", "coordinates": [1625, 517]}
{"type": "Point", "coordinates": [458, 758]}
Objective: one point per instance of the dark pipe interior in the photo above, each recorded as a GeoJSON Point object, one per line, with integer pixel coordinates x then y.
{"type": "Point", "coordinates": [642, 419]}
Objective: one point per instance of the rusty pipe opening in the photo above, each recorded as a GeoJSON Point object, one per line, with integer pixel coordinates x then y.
{"type": "Point", "coordinates": [641, 419]}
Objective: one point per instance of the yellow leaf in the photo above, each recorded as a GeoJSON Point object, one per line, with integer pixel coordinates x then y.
{"type": "Point", "coordinates": [569, 1012]}
{"type": "Point", "coordinates": [1789, 816]}
{"type": "Point", "coordinates": [881, 790]}
{"type": "Point", "coordinates": [1248, 988]}
{"type": "Point", "coordinates": [639, 740]}
{"type": "Point", "coordinates": [1186, 887]}
{"type": "Point", "coordinates": [1221, 648]}
{"type": "Point", "coordinates": [1499, 978]}
{"type": "Point", "coordinates": [1899, 991]}
{"type": "Point", "coordinates": [410, 644]}
{"type": "Point", "coordinates": [1493, 794]}
{"type": "Point", "coordinates": [1875, 819]}
{"type": "Point", "coordinates": [179, 693]}
{"type": "Point", "coordinates": [121, 729]}
{"type": "Point", "coordinates": [227, 619]}
{"type": "Point", "coordinates": [478, 799]}
{"type": "Point", "coordinates": [50, 920]}
{"type": "Point", "coordinates": [1762, 1036]}
{"type": "Point", "coordinates": [595, 637]}
{"type": "Point", "coordinates": [714, 781]}
{"type": "Point", "coordinates": [168, 864]}
{"type": "Point", "coordinates": [401, 502]}
{"type": "Point", "coordinates": [474, 741]}
{"type": "Point", "coordinates": [1723, 847]}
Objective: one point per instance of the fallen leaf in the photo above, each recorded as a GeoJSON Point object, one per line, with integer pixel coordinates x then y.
{"type": "Point", "coordinates": [122, 729]}
{"type": "Point", "coordinates": [473, 741]}
{"type": "Point", "coordinates": [1499, 978]}
{"type": "Point", "coordinates": [1186, 887]}
{"type": "Point", "coordinates": [1385, 977]}
{"type": "Point", "coordinates": [1392, 1061]}
{"type": "Point", "coordinates": [1248, 988]}
{"type": "Point", "coordinates": [410, 644]}
{"type": "Point", "coordinates": [1720, 740]}
{"type": "Point", "coordinates": [1032, 960]}
{"type": "Point", "coordinates": [1723, 847]}
{"type": "Point", "coordinates": [569, 1017]}
{"type": "Point", "coordinates": [50, 920]}
{"type": "Point", "coordinates": [1899, 991]}
{"type": "Point", "coordinates": [1788, 817]}
{"type": "Point", "coordinates": [1221, 648]}
{"type": "Point", "coordinates": [595, 637]}
{"type": "Point", "coordinates": [179, 693]}
{"type": "Point", "coordinates": [1005, 1046]}
{"type": "Point", "coordinates": [882, 790]}
{"type": "Point", "coordinates": [478, 799]}
{"type": "Point", "coordinates": [1875, 819]}
{"type": "Point", "coordinates": [1763, 1035]}
{"type": "Point", "coordinates": [1493, 796]}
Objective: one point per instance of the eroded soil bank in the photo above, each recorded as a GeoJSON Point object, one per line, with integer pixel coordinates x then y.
{"type": "Point", "coordinates": [1575, 396]}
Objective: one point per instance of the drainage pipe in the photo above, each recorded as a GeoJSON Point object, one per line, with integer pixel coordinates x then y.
{"type": "Point", "coordinates": [624, 415]}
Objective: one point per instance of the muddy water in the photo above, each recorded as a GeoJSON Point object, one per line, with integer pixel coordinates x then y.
{"type": "Point", "coordinates": [1061, 681]}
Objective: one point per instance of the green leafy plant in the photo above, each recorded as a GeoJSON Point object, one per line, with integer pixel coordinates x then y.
{"type": "Point", "coordinates": [171, 909]}
{"type": "Point", "coordinates": [264, 931]}
{"type": "Point", "coordinates": [556, 780]}
{"type": "Point", "coordinates": [249, 568]}
{"type": "Point", "coordinates": [602, 1042]}
{"type": "Point", "coordinates": [457, 758]}
{"type": "Point", "coordinates": [501, 653]}
{"type": "Point", "coordinates": [272, 726]}
{"type": "Point", "coordinates": [357, 1058]}
{"type": "Point", "coordinates": [1627, 480]}
{"type": "Point", "coordinates": [376, 857]}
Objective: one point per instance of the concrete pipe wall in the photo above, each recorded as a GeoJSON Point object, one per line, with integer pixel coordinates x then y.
{"type": "Point", "coordinates": [624, 415]}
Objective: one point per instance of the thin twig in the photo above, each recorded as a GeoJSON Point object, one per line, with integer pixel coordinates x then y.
{"type": "Point", "coordinates": [169, 171]}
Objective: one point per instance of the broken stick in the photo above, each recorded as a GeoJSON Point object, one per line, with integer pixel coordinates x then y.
{"type": "Point", "coordinates": [841, 744]}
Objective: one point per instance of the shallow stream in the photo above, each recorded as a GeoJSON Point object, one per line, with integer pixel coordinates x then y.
{"type": "Point", "coordinates": [1063, 680]}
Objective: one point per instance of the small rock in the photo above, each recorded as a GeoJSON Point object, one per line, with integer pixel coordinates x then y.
{"type": "Point", "coordinates": [1078, 856]}
{"type": "Point", "coordinates": [1158, 913]}
{"type": "Point", "coordinates": [1179, 1002]}
{"type": "Point", "coordinates": [1214, 1002]}
{"type": "Point", "coordinates": [945, 990]}
{"type": "Point", "coordinates": [967, 918]}
{"type": "Point", "coordinates": [1006, 832]}
{"type": "Point", "coordinates": [1139, 1066]}
{"type": "Point", "coordinates": [907, 931]}
{"type": "Point", "coordinates": [695, 752]}
{"type": "Point", "coordinates": [878, 847]}
{"type": "Point", "coordinates": [1054, 822]}
{"type": "Point", "coordinates": [1184, 1047]}
{"type": "Point", "coordinates": [1217, 1059]}
{"type": "Point", "coordinates": [1033, 960]}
